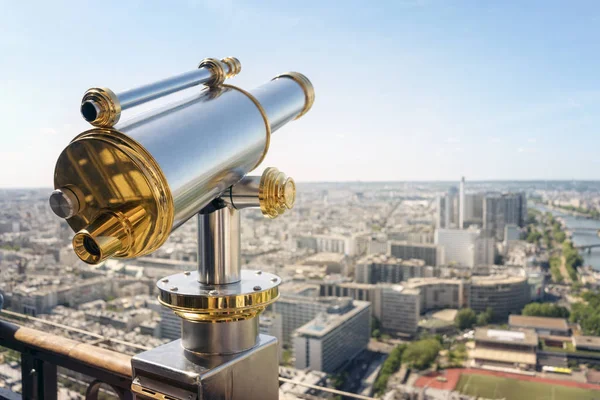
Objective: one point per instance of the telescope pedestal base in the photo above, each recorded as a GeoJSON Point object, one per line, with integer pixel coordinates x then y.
{"type": "Point", "coordinates": [170, 370]}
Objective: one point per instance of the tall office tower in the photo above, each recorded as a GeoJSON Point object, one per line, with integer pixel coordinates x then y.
{"type": "Point", "coordinates": [502, 209]}
{"type": "Point", "coordinates": [461, 205]}
{"type": "Point", "coordinates": [333, 337]}
{"type": "Point", "coordinates": [473, 210]}
{"type": "Point", "coordinates": [447, 213]}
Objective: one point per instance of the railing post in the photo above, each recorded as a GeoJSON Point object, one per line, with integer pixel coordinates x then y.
{"type": "Point", "coordinates": [38, 378]}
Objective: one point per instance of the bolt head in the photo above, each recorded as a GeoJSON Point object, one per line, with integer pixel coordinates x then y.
{"type": "Point", "coordinates": [213, 292]}
{"type": "Point", "coordinates": [258, 272]}
{"type": "Point", "coordinates": [257, 288]}
{"type": "Point", "coordinates": [186, 273]}
{"type": "Point", "coordinates": [174, 288]}
{"type": "Point", "coordinates": [165, 280]}
{"type": "Point", "coordinates": [274, 280]}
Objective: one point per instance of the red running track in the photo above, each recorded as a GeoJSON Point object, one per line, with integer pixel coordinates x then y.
{"type": "Point", "coordinates": [453, 375]}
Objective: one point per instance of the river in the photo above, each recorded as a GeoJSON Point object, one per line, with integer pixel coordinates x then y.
{"type": "Point", "coordinates": [581, 237]}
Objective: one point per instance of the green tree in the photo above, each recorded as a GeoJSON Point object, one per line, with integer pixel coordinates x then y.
{"type": "Point", "coordinates": [390, 366]}
{"type": "Point", "coordinates": [485, 317]}
{"type": "Point", "coordinates": [545, 310]}
{"type": "Point", "coordinates": [421, 354]}
{"type": "Point", "coordinates": [534, 236]}
{"type": "Point", "coordinates": [465, 318]}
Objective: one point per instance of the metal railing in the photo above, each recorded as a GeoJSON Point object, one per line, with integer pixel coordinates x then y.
{"type": "Point", "coordinates": [42, 353]}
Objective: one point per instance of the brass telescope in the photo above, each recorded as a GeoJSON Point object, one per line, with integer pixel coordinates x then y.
{"type": "Point", "coordinates": [123, 187]}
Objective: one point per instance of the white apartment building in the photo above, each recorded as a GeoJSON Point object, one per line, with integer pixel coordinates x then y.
{"type": "Point", "coordinates": [333, 338]}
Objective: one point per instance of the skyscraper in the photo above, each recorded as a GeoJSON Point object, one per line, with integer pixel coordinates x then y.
{"type": "Point", "coordinates": [502, 209]}
{"type": "Point", "coordinates": [461, 204]}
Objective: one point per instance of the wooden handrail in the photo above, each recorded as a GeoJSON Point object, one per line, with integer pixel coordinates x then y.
{"type": "Point", "coordinates": [107, 360]}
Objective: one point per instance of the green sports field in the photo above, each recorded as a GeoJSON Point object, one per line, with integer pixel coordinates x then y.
{"type": "Point", "coordinates": [493, 387]}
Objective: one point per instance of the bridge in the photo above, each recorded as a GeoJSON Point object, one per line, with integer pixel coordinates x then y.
{"type": "Point", "coordinates": [585, 229]}
{"type": "Point", "coordinates": [587, 247]}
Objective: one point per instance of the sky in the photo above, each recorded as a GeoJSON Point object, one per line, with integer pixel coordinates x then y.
{"type": "Point", "coordinates": [405, 90]}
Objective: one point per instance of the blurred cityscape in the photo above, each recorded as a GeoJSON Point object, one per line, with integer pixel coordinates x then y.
{"type": "Point", "coordinates": [394, 290]}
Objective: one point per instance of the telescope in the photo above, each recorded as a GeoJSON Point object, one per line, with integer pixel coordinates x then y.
{"type": "Point", "coordinates": [123, 187]}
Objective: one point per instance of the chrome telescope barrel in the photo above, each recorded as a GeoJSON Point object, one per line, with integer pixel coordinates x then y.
{"type": "Point", "coordinates": [102, 107]}
{"type": "Point", "coordinates": [131, 185]}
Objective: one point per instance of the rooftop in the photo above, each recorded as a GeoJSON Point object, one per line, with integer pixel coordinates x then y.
{"type": "Point", "coordinates": [586, 341]}
{"type": "Point", "coordinates": [524, 337]}
{"type": "Point", "coordinates": [406, 243]}
{"type": "Point", "coordinates": [492, 280]}
{"type": "Point", "coordinates": [522, 321]}
{"type": "Point", "coordinates": [324, 323]}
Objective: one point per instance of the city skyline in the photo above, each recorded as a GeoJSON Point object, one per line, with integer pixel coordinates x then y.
{"type": "Point", "coordinates": [407, 91]}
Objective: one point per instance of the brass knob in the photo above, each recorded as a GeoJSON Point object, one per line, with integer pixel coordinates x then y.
{"type": "Point", "coordinates": [276, 193]}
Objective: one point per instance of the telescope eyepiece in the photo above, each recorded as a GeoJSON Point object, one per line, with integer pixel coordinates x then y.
{"type": "Point", "coordinates": [90, 110]}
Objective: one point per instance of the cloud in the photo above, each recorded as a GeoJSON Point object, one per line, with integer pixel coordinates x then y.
{"type": "Point", "coordinates": [531, 140]}
{"type": "Point", "coordinates": [520, 150]}
{"type": "Point", "coordinates": [495, 140]}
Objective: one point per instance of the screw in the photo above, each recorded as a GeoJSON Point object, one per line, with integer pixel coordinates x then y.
{"type": "Point", "coordinates": [213, 292]}
{"type": "Point", "coordinates": [165, 280]}
{"type": "Point", "coordinates": [257, 287]}
{"type": "Point", "coordinates": [186, 273]}
{"type": "Point", "coordinates": [258, 272]}
{"type": "Point", "coordinates": [32, 372]}
{"type": "Point", "coordinates": [273, 280]}
{"type": "Point", "coordinates": [174, 288]}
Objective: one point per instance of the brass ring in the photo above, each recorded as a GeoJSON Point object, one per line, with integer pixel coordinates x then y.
{"type": "Point", "coordinates": [216, 67]}
{"type": "Point", "coordinates": [264, 116]}
{"type": "Point", "coordinates": [108, 104]}
{"type": "Point", "coordinates": [307, 87]}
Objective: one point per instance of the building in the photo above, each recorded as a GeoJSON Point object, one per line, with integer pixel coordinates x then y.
{"type": "Point", "coordinates": [297, 310]}
{"type": "Point", "coordinates": [505, 348]}
{"type": "Point", "coordinates": [500, 210]}
{"type": "Point", "coordinates": [431, 254]}
{"type": "Point", "coordinates": [511, 234]}
{"type": "Point", "coordinates": [586, 343]}
{"type": "Point", "coordinates": [333, 337]}
{"type": "Point", "coordinates": [536, 281]}
{"type": "Point", "coordinates": [504, 294]}
{"type": "Point", "coordinates": [396, 307]}
{"type": "Point", "coordinates": [458, 244]}
{"type": "Point", "coordinates": [269, 323]}
{"type": "Point", "coordinates": [465, 247]}
{"type": "Point", "coordinates": [389, 269]}
{"type": "Point", "coordinates": [289, 390]}
{"type": "Point", "coordinates": [40, 296]}
{"type": "Point", "coordinates": [377, 246]}
{"type": "Point", "coordinates": [485, 251]}
{"type": "Point", "coordinates": [334, 262]}
{"type": "Point", "coordinates": [437, 293]}
{"type": "Point", "coordinates": [447, 210]}
{"type": "Point", "coordinates": [473, 210]}
{"type": "Point", "coordinates": [543, 326]}
{"type": "Point", "coordinates": [461, 204]}
{"type": "Point", "coordinates": [400, 309]}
